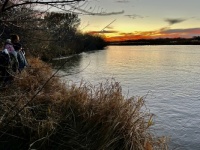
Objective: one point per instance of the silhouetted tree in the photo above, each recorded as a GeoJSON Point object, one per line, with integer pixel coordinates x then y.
{"type": "Point", "coordinates": [43, 29]}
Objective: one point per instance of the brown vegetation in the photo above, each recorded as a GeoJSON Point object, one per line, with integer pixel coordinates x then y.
{"type": "Point", "coordinates": [38, 111]}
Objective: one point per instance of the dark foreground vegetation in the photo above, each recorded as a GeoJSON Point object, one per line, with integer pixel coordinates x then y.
{"type": "Point", "coordinates": [161, 41]}
{"type": "Point", "coordinates": [38, 111]}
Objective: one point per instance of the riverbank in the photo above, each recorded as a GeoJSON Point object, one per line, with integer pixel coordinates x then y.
{"type": "Point", "coordinates": [39, 111]}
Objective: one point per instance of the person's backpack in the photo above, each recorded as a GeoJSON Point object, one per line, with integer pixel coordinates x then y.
{"type": "Point", "coordinates": [8, 62]}
{"type": "Point", "coordinates": [5, 61]}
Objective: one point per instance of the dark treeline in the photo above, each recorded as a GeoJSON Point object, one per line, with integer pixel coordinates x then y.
{"type": "Point", "coordinates": [49, 34]}
{"type": "Point", "coordinates": [160, 41]}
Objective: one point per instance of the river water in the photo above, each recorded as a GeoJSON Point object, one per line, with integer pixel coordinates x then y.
{"type": "Point", "coordinates": [168, 77]}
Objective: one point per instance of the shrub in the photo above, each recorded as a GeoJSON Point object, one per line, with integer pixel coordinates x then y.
{"type": "Point", "coordinates": [38, 111]}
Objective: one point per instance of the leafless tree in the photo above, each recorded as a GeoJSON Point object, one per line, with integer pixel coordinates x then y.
{"type": "Point", "coordinates": [26, 14]}
{"type": "Point", "coordinates": [7, 5]}
{"type": "Point", "coordinates": [15, 11]}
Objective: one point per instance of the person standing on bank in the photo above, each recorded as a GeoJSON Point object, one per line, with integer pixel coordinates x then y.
{"type": "Point", "coordinates": [13, 55]}
{"type": "Point", "coordinates": [8, 64]}
{"type": "Point", "coordinates": [20, 54]}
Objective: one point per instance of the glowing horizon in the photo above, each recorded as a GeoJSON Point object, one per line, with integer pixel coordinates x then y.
{"type": "Point", "coordinates": [162, 33]}
{"type": "Point", "coordinates": [142, 19]}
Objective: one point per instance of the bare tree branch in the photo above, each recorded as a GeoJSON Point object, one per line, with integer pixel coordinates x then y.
{"type": "Point", "coordinates": [38, 2]}
{"type": "Point", "coordinates": [95, 13]}
{"type": "Point", "coordinates": [4, 4]}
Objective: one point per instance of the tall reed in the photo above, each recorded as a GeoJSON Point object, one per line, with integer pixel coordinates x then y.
{"type": "Point", "coordinates": [39, 111]}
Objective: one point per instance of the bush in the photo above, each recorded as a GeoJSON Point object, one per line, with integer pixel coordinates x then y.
{"type": "Point", "coordinates": [38, 111]}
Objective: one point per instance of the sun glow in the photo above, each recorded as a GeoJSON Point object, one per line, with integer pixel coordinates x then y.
{"type": "Point", "coordinates": [114, 35]}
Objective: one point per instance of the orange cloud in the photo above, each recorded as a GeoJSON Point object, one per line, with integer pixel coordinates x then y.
{"type": "Point", "coordinates": [161, 33]}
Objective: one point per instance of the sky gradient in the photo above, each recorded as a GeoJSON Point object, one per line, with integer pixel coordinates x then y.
{"type": "Point", "coordinates": [139, 19]}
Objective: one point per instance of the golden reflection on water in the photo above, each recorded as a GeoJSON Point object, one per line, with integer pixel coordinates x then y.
{"type": "Point", "coordinates": [147, 57]}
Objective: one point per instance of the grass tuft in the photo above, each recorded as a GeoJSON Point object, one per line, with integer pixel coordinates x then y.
{"type": "Point", "coordinates": [36, 114]}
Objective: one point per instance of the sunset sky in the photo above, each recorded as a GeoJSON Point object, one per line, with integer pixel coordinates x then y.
{"type": "Point", "coordinates": [136, 19]}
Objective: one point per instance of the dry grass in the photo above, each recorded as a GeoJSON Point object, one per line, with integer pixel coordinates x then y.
{"type": "Point", "coordinates": [61, 116]}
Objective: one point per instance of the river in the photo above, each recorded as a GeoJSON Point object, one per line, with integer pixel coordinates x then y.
{"type": "Point", "coordinates": [168, 77]}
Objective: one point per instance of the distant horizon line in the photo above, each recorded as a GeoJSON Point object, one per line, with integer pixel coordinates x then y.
{"type": "Point", "coordinates": [153, 39]}
{"type": "Point", "coordinates": [158, 41]}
